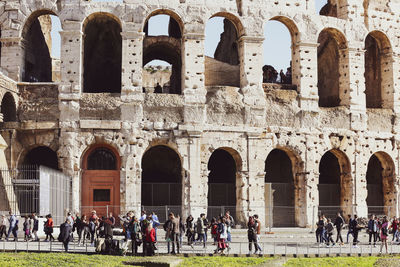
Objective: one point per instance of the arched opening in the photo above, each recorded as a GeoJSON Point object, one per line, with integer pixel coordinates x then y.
{"type": "Point", "coordinates": [382, 195]}
{"type": "Point", "coordinates": [41, 40]}
{"type": "Point", "coordinates": [279, 187]}
{"type": "Point", "coordinates": [222, 176]}
{"type": "Point", "coordinates": [162, 56]}
{"type": "Point", "coordinates": [161, 179]}
{"type": "Point", "coordinates": [41, 156]}
{"type": "Point", "coordinates": [100, 186]}
{"type": "Point", "coordinates": [277, 47]}
{"type": "Point", "coordinates": [222, 61]}
{"type": "Point", "coordinates": [335, 186]}
{"type": "Point", "coordinates": [377, 77]}
{"type": "Point", "coordinates": [102, 58]}
{"type": "Point", "coordinates": [28, 178]}
{"type": "Point", "coordinates": [8, 108]}
{"type": "Point", "coordinates": [332, 56]}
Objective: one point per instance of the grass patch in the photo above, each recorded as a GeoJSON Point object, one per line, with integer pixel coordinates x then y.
{"type": "Point", "coordinates": [332, 261]}
{"type": "Point", "coordinates": [78, 260]}
{"type": "Point", "coordinates": [221, 261]}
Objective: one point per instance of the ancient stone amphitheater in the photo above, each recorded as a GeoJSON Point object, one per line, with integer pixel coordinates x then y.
{"type": "Point", "coordinates": [220, 138]}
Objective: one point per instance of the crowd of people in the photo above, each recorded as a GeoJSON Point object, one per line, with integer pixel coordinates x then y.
{"type": "Point", "coordinates": [378, 230]}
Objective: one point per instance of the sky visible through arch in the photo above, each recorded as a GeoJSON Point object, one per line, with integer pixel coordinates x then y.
{"type": "Point", "coordinates": [276, 49]}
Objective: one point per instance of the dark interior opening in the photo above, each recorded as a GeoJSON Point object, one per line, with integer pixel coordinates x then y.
{"type": "Point", "coordinates": [8, 108]}
{"type": "Point", "coordinates": [42, 156]}
{"type": "Point", "coordinates": [373, 73]}
{"type": "Point", "coordinates": [329, 180]}
{"type": "Point", "coordinates": [102, 56]}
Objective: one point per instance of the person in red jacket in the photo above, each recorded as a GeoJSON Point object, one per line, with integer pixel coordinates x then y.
{"type": "Point", "coordinates": [150, 237]}
{"type": "Point", "coordinates": [48, 228]}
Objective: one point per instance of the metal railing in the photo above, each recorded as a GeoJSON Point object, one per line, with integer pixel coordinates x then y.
{"type": "Point", "coordinates": [235, 248]}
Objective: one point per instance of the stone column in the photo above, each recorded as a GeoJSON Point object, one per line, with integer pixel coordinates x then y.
{"type": "Point", "coordinates": [197, 186]}
{"type": "Point", "coordinates": [256, 181]}
{"type": "Point", "coordinates": [69, 96]}
{"type": "Point", "coordinates": [305, 74]}
{"type": "Point", "coordinates": [396, 93]}
{"type": "Point", "coordinates": [251, 63]}
{"type": "Point", "coordinates": [355, 87]}
{"type": "Point", "coordinates": [132, 73]}
{"type": "Point", "coordinates": [193, 78]}
{"type": "Point", "coordinates": [12, 56]}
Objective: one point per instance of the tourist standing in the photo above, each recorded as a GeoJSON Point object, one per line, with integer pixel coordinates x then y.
{"type": "Point", "coordinates": [339, 222]}
{"type": "Point", "coordinates": [13, 228]}
{"type": "Point", "coordinates": [26, 228]}
{"type": "Point", "coordinates": [350, 230]}
{"type": "Point", "coordinates": [258, 231]}
{"type": "Point", "coordinates": [252, 234]}
{"type": "Point", "coordinates": [190, 230]}
{"type": "Point", "coordinates": [168, 233]}
{"type": "Point", "coordinates": [150, 240]}
{"type": "Point", "coordinates": [230, 223]}
{"type": "Point", "coordinates": [65, 234]}
{"type": "Point", "coordinates": [384, 233]}
{"type": "Point", "coordinates": [372, 230]}
{"type": "Point", "coordinates": [320, 230]}
{"type": "Point", "coordinates": [222, 235]}
{"type": "Point", "coordinates": [356, 229]}
{"type": "Point", "coordinates": [3, 226]}
{"type": "Point", "coordinates": [136, 238]}
{"type": "Point", "coordinates": [93, 221]}
{"type": "Point", "coordinates": [155, 221]}
{"type": "Point", "coordinates": [395, 227]}
{"type": "Point", "coordinates": [175, 233]}
{"type": "Point", "coordinates": [201, 236]}
{"type": "Point", "coordinates": [48, 228]}
{"type": "Point", "coordinates": [329, 232]}
{"type": "Point", "coordinates": [35, 227]}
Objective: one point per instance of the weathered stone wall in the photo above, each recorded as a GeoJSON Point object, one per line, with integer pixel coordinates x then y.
{"type": "Point", "coordinates": [245, 119]}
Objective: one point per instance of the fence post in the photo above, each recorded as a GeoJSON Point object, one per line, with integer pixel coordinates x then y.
{"type": "Point", "coordinates": [312, 220]}
{"type": "Point", "coordinates": [107, 210]}
{"type": "Point", "coordinates": [166, 212]}
{"type": "Point", "coordinates": [15, 242]}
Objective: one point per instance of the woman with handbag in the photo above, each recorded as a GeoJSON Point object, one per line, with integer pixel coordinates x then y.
{"type": "Point", "coordinates": [48, 228]}
{"type": "Point", "coordinates": [135, 230]}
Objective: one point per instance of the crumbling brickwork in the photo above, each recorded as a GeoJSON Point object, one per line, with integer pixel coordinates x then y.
{"type": "Point", "coordinates": [327, 112]}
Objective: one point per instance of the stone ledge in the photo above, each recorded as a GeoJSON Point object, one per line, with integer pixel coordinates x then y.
{"type": "Point", "coordinates": [100, 124]}
{"type": "Point", "coordinates": [34, 125]}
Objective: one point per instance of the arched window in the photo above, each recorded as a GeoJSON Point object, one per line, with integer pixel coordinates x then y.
{"type": "Point", "coordinates": [8, 108]}
{"type": "Point", "coordinates": [102, 60]}
{"type": "Point", "coordinates": [162, 58]}
{"type": "Point", "coordinates": [332, 58]}
{"type": "Point", "coordinates": [222, 61]}
{"type": "Point", "coordinates": [378, 75]}
{"type": "Point", "coordinates": [280, 36]}
{"type": "Point", "coordinates": [101, 159]}
{"type": "Point", "coordinates": [41, 51]}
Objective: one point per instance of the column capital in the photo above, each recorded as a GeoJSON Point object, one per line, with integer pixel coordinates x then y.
{"type": "Point", "coordinates": [251, 39]}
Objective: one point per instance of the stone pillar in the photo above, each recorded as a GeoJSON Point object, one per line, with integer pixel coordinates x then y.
{"type": "Point", "coordinates": [12, 56]}
{"type": "Point", "coordinates": [360, 165]}
{"type": "Point", "coordinates": [193, 79]}
{"type": "Point", "coordinates": [305, 74]}
{"type": "Point", "coordinates": [251, 63]}
{"type": "Point", "coordinates": [355, 87]}
{"type": "Point", "coordinates": [69, 96]}
{"type": "Point", "coordinates": [396, 96]}
{"type": "Point", "coordinates": [132, 73]}
{"type": "Point", "coordinates": [256, 181]}
{"type": "Point", "coordinates": [132, 64]}
{"type": "Point", "coordinates": [197, 187]}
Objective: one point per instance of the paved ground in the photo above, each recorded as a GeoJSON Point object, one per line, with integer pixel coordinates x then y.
{"type": "Point", "coordinates": [283, 241]}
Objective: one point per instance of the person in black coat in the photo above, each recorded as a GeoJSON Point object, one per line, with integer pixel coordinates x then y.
{"type": "Point", "coordinates": [339, 222]}
{"type": "Point", "coordinates": [65, 234]}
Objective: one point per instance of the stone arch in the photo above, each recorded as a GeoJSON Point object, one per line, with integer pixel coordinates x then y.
{"type": "Point", "coordinates": [172, 14]}
{"type": "Point", "coordinates": [102, 53]}
{"type": "Point", "coordinates": [100, 186]}
{"type": "Point", "coordinates": [270, 74]}
{"type": "Point", "coordinates": [162, 179]}
{"type": "Point", "coordinates": [288, 197]}
{"type": "Point", "coordinates": [332, 59]}
{"type": "Point", "coordinates": [36, 46]}
{"type": "Point", "coordinates": [39, 155]}
{"type": "Point", "coordinates": [378, 70]}
{"type": "Point", "coordinates": [8, 108]}
{"type": "Point", "coordinates": [165, 48]}
{"type": "Point", "coordinates": [236, 21]}
{"type": "Point", "coordinates": [224, 183]}
{"type": "Point", "coordinates": [381, 184]}
{"type": "Point", "coordinates": [335, 184]}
